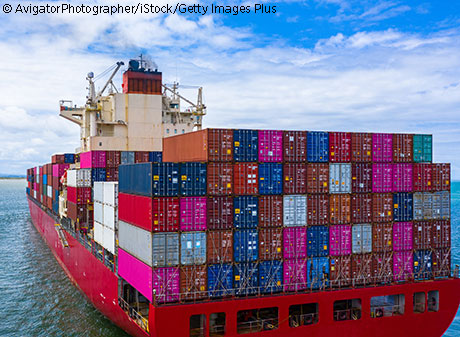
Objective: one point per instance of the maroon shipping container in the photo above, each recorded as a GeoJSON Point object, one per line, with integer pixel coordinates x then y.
{"type": "Point", "coordinates": [317, 178]}
{"type": "Point", "coordinates": [340, 271]}
{"type": "Point", "coordinates": [113, 158]}
{"type": "Point", "coordinates": [220, 179]}
{"type": "Point", "coordinates": [193, 282]}
{"type": "Point", "coordinates": [422, 232]}
{"type": "Point", "coordinates": [382, 267]}
{"type": "Point", "coordinates": [141, 156]}
{"type": "Point", "coordinates": [361, 178]}
{"type": "Point", "coordinates": [245, 178]}
{"type": "Point", "coordinates": [441, 234]}
{"type": "Point", "coordinates": [78, 213]}
{"type": "Point", "coordinates": [361, 208]}
{"type": "Point", "coordinates": [270, 211]}
{"type": "Point", "coordinates": [58, 159]}
{"type": "Point", "coordinates": [220, 212]}
{"type": "Point", "coordinates": [79, 195]}
{"type": "Point", "coordinates": [295, 178]}
{"type": "Point", "coordinates": [340, 210]}
{"type": "Point", "coordinates": [270, 244]}
{"type": "Point", "coordinates": [56, 183]}
{"type": "Point", "coordinates": [295, 146]}
{"type": "Point", "coordinates": [403, 148]}
{"type": "Point", "coordinates": [361, 147]}
{"type": "Point", "coordinates": [111, 174]}
{"type": "Point", "coordinates": [219, 246]}
{"type": "Point", "coordinates": [382, 237]}
{"type": "Point", "coordinates": [422, 177]}
{"type": "Point", "coordinates": [382, 206]}
{"type": "Point", "coordinates": [361, 269]}
{"type": "Point", "coordinates": [317, 209]}
{"type": "Point", "coordinates": [441, 262]}
{"type": "Point", "coordinates": [440, 177]}
{"type": "Point", "coordinates": [339, 147]}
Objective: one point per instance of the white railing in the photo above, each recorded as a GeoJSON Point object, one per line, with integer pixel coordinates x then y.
{"type": "Point", "coordinates": [135, 316]}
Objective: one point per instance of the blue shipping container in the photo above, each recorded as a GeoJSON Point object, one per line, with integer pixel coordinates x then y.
{"type": "Point", "coordinates": [98, 174]}
{"type": "Point", "coordinates": [245, 212]}
{"type": "Point", "coordinates": [56, 206]}
{"type": "Point", "coordinates": [317, 147]}
{"type": "Point", "coordinates": [422, 264]}
{"type": "Point", "coordinates": [156, 156]}
{"type": "Point", "coordinates": [246, 278]}
{"type": "Point", "coordinates": [271, 276]}
{"type": "Point", "coordinates": [45, 179]}
{"type": "Point", "coordinates": [28, 191]}
{"type": "Point", "coordinates": [245, 245]}
{"type": "Point", "coordinates": [193, 179]}
{"type": "Point", "coordinates": [127, 157]}
{"type": "Point", "coordinates": [318, 272]}
{"type": "Point", "coordinates": [270, 178]}
{"type": "Point", "coordinates": [220, 280]}
{"type": "Point", "coordinates": [165, 179]}
{"type": "Point", "coordinates": [245, 145]}
{"type": "Point", "coordinates": [135, 179]}
{"type": "Point", "coordinates": [69, 158]}
{"type": "Point", "coordinates": [403, 206]}
{"type": "Point", "coordinates": [318, 241]}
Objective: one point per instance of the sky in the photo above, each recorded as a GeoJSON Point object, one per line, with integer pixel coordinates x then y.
{"type": "Point", "coordinates": [333, 65]}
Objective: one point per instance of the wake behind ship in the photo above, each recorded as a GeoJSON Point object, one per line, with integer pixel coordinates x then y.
{"type": "Point", "coordinates": [171, 230]}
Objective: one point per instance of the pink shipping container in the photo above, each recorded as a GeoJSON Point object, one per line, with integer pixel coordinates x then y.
{"type": "Point", "coordinates": [193, 213]}
{"type": "Point", "coordinates": [382, 148]}
{"type": "Point", "coordinates": [402, 265]}
{"type": "Point", "coordinates": [402, 236]}
{"type": "Point", "coordinates": [295, 274]}
{"type": "Point", "coordinates": [270, 146]}
{"type": "Point", "coordinates": [294, 242]}
{"type": "Point", "coordinates": [166, 284]}
{"type": "Point", "coordinates": [382, 178]}
{"type": "Point", "coordinates": [339, 147]}
{"type": "Point", "coordinates": [136, 273]}
{"type": "Point", "coordinates": [402, 178]}
{"type": "Point", "coordinates": [92, 159]}
{"type": "Point", "coordinates": [340, 240]}
{"type": "Point", "coordinates": [59, 169]}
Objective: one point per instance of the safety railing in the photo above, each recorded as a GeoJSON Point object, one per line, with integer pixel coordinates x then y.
{"type": "Point", "coordinates": [257, 325]}
{"type": "Point", "coordinates": [303, 319]}
{"type": "Point", "coordinates": [347, 314]}
{"type": "Point", "coordinates": [387, 310]}
{"type": "Point", "coordinates": [133, 314]}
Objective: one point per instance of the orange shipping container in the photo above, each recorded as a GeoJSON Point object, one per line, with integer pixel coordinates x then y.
{"type": "Point", "coordinates": [220, 179]}
{"type": "Point", "coordinates": [317, 178]}
{"type": "Point", "coordinates": [219, 246]}
{"type": "Point", "coordinates": [340, 210]}
{"type": "Point", "coordinates": [270, 244]}
{"type": "Point", "coordinates": [361, 147]}
{"type": "Point", "coordinates": [193, 282]}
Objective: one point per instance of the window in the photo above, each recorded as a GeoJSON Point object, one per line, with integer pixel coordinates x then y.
{"type": "Point", "coordinates": [197, 326]}
{"type": "Point", "coordinates": [217, 324]}
{"type": "Point", "coordinates": [175, 131]}
{"type": "Point", "coordinates": [419, 303]}
{"type": "Point", "coordinates": [385, 306]}
{"type": "Point", "coordinates": [183, 130]}
{"type": "Point", "coordinates": [347, 310]}
{"type": "Point", "coordinates": [255, 320]}
{"type": "Point", "coordinates": [433, 301]}
{"type": "Point", "coordinates": [303, 314]}
{"type": "Point", "coordinates": [167, 131]}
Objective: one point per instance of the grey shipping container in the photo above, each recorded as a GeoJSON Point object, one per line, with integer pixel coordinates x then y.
{"type": "Point", "coordinates": [339, 178]}
{"type": "Point", "coordinates": [136, 241]}
{"type": "Point", "coordinates": [431, 206]}
{"type": "Point", "coordinates": [361, 238]}
{"type": "Point", "coordinates": [193, 248]}
{"type": "Point", "coordinates": [295, 210]}
{"type": "Point", "coordinates": [165, 249]}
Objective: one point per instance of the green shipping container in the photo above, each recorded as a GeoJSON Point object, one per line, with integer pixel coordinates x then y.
{"type": "Point", "coordinates": [423, 148]}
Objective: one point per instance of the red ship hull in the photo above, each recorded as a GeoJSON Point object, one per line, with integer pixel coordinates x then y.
{"type": "Point", "coordinates": [100, 285]}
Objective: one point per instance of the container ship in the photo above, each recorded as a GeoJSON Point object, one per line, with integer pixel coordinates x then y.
{"type": "Point", "coordinates": [174, 230]}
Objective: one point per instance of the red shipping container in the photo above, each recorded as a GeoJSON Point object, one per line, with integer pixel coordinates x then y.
{"type": "Point", "coordinates": [219, 246]}
{"type": "Point", "coordinates": [220, 179]}
{"type": "Point", "coordinates": [422, 177]}
{"type": "Point", "coordinates": [440, 174]}
{"type": "Point", "coordinates": [382, 267]}
{"type": "Point", "coordinates": [441, 262]}
{"type": "Point", "coordinates": [245, 178]}
{"type": "Point", "coordinates": [317, 178]}
{"type": "Point", "coordinates": [361, 269]}
{"type": "Point", "coordinates": [295, 178]}
{"type": "Point", "coordinates": [141, 157]}
{"type": "Point", "coordinates": [271, 211]}
{"type": "Point", "coordinates": [441, 234]}
{"type": "Point", "coordinates": [56, 183]}
{"type": "Point", "coordinates": [340, 271]}
{"type": "Point", "coordinates": [317, 209]}
{"type": "Point", "coordinates": [111, 174]}
{"type": "Point", "coordinates": [295, 146]}
{"type": "Point", "coordinates": [340, 210]}
{"type": "Point", "coordinates": [402, 178]}
{"type": "Point", "coordinates": [58, 159]}
{"type": "Point", "coordinates": [339, 147]}
{"type": "Point", "coordinates": [220, 212]}
{"type": "Point", "coordinates": [113, 158]}
{"type": "Point", "coordinates": [79, 195]}
{"type": "Point", "coordinates": [136, 210]}
{"type": "Point", "coordinates": [422, 234]}
{"type": "Point", "coordinates": [165, 214]}
{"type": "Point", "coordinates": [193, 282]}
{"type": "Point", "coordinates": [361, 178]}
{"type": "Point", "coordinates": [382, 148]}
{"type": "Point", "coordinates": [403, 148]}
{"type": "Point", "coordinates": [361, 146]}
{"type": "Point", "coordinates": [382, 178]}
{"type": "Point", "coordinates": [361, 208]}
{"type": "Point", "coordinates": [270, 244]}
{"type": "Point", "coordinates": [382, 237]}
{"type": "Point", "coordinates": [382, 206]}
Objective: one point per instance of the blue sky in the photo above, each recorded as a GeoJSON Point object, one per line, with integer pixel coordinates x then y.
{"type": "Point", "coordinates": [338, 65]}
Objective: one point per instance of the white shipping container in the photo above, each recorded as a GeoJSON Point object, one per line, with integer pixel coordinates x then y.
{"type": "Point", "coordinates": [35, 194]}
{"type": "Point", "coordinates": [339, 178]}
{"type": "Point", "coordinates": [72, 178]}
{"type": "Point", "coordinates": [109, 239]}
{"type": "Point", "coordinates": [49, 191]}
{"type": "Point", "coordinates": [98, 191]}
{"type": "Point", "coordinates": [98, 232]}
{"type": "Point", "coordinates": [361, 238]}
{"type": "Point", "coordinates": [110, 218]}
{"type": "Point", "coordinates": [62, 206]}
{"type": "Point", "coordinates": [136, 241]}
{"type": "Point", "coordinates": [84, 178]}
{"type": "Point", "coordinates": [294, 210]}
{"type": "Point", "coordinates": [111, 193]}
{"type": "Point", "coordinates": [98, 212]}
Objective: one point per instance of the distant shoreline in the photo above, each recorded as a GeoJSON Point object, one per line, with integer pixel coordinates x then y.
{"type": "Point", "coordinates": [12, 178]}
